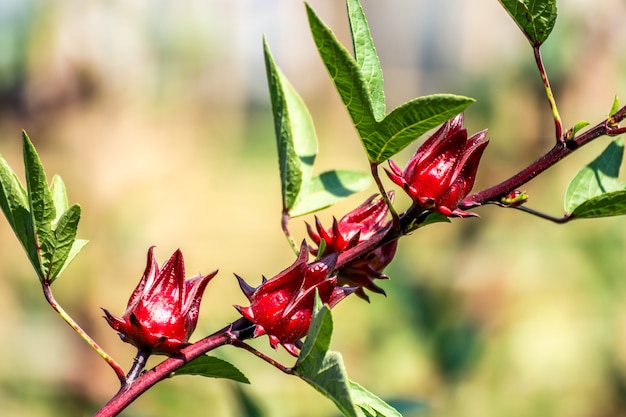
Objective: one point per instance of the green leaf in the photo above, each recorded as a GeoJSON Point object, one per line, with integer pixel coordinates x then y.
{"type": "Point", "coordinates": [295, 135]}
{"type": "Point", "coordinates": [319, 335]}
{"type": "Point", "coordinates": [14, 204]}
{"type": "Point", "coordinates": [597, 178]}
{"type": "Point", "coordinates": [344, 71]}
{"type": "Point", "coordinates": [64, 237]}
{"type": "Point", "coordinates": [435, 217]}
{"type": "Point", "coordinates": [355, 80]}
{"type": "Point", "coordinates": [595, 191]}
{"type": "Point", "coordinates": [370, 403]}
{"type": "Point", "coordinates": [212, 367]}
{"type": "Point", "coordinates": [575, 129]}
{"type": "Point", "coordinates": [367, 58]}
{"type": "Point", "coordinates": [41, 203]}
{"type": "Point", "coordinates": [41, 208]}
{"type": "Point", "coordinates": [59, 198]}
{"type": "Point", "coordinates": [431, 218]}
{"type": "Point", "coordinates": [535, 18]}
{"type": "Point", "coordinates": [323, 369]}
{"type": "Point", "coordinates": [614, 107]}
{"type": "Point", "coordinates": [409, 121]}
{"type": "Point", "coordinates": [327, 188]}
{"type": "Point", "coordinates": [604, 205]}
{"type": "Point", "coordinates": [39, 215]}
{"type": "Point", "coordinates": [297, 149]}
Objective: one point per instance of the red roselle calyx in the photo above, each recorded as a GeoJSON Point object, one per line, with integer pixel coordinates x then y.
{"type": "Point", "coordinates": [162, 312]}
{"type": "Point", "coordinates": [282, 307]}
{"type": "Point", "coordinates": [357, 227]}
{"type": "Point", "coordinates": [443, 170]}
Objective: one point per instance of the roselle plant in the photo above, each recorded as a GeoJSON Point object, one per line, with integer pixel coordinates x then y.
{"type": "Point", "coordinates": [336, 263]}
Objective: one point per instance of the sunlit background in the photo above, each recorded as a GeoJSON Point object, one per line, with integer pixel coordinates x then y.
{"type": "Point", "coordinates": [156, 114]}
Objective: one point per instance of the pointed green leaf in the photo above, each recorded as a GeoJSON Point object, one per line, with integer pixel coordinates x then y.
{"type": "Point", "coordinates": [367, 58]}
{"type": "Point", "coordinates": [382, 137]}
{"type": "Point", "coordinates": [303, 130]}
{"type": "Point", "coordinates": [319, 335]}
{"type": "Point", "coordinates": [59, 197]}
{"type": "Point", "coordinates": [297, 150]}
{"type": "Point", "coordinates": [328, 376]}
{"type": "Point", "coordinates": [614, 107]}
{"type": "Point", "coordinates": [435, 217]}
{"type": "Point", "coordinates": [575, 129]}
{"type": "Point", "coordinates": [295, 135]}
{"type": "Point", "coordinates": [42, 205]}
{"type": "Point", "coordinates": [535, 18]}
{"type": "Point", "coordinates": [41, 208]}
{"type": "Point", "coordinates": [604, 205]}
{"type": "Point", "coordinates": [344, 71]}
{"type": "Point", "coordinates": [39, 215]}
{"type": "Point", "coordinates": [65, 227]}
{"type": "Point", "coordinates": [64, 237]}
{"type": "Point", "coordinates": [327, 188]}
{"type": "Point", "coordinates": [597, 178]}
{"type": "Point", "coordinates": [409, 121]}
{"type": "Point", "coordinates": [212, 367]}
{"type": "Point", "coordinates": [323, 369]}
{"type": "Point", "coordinates": [370, 403]}
{"type": "Point", "coordinates": [14, 204]}
{"type": "Point", "coordinates": [431, 218]}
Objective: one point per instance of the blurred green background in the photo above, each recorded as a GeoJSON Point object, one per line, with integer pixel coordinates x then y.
{"type": "Point", "coordinates": [156, 115]}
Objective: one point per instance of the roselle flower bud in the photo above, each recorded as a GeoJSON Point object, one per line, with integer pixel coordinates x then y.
{"type": "Point", "coordinates": [162, 312]}
{"type": "Point", "coordinates": [515, 198]}
{"type": "Point", "coordinates": [357, 227]}
{"type": "Point", "coordinates": [282, 307]}
{"type": "Point", "coordinates": [443, 170]}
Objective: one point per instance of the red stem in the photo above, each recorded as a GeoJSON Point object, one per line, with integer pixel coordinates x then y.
{"type": "Point", "coordinates": [559, 151]}
{"type": "Point", "coordinates": [130, 392]}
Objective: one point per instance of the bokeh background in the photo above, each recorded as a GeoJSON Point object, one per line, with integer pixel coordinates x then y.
{"type": "Point", "coordinates": [156, 114]}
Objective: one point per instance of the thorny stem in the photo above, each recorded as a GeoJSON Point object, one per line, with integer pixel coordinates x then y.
{"type": "Point", "coordinates": [239, 329]}
{"type": "Point", "coordinates": [558, 125]}
{"type": "Point", "coordinates": [47, 291]}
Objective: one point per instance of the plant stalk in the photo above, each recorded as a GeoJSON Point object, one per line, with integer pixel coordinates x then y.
{"type": "Point", "coordinates": [47, 291]}
{"type": "Point", "coordinates": [558, 125]}
{"type": "Point", "coordinates": [239, 329]}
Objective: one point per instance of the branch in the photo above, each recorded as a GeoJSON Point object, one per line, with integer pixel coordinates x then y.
{"type": "Point", "coordinates": [542, 215]}
{"type": "Point", "coordinates": [559, 151]}
{"type": "Point", "coordinates": [130, 392]}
